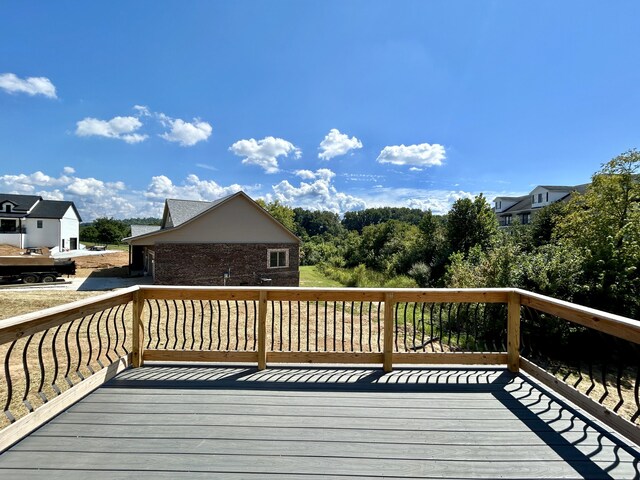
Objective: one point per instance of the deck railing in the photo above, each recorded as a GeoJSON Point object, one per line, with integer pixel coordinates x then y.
{"type": "Point", "coordinates": [53, 357]}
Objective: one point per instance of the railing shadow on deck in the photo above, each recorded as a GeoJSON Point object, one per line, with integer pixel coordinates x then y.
{"type": "Point", "coordinates": [525, 399]}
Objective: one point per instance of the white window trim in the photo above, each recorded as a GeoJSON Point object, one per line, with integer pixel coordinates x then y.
{"type": "Point", "coordinates": [278, 250]}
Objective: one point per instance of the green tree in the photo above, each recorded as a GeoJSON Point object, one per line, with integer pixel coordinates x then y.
{"type": "Point", "coordinates": [317, 222]}
{"type": "Point", "coordinates": [110, 230]}
{"type": "Point", "coordinates": [280, 212]}
{"type": "Point", "coordinates": [605, 223]}
{"type": "Point", "coordinates": [471, 223]}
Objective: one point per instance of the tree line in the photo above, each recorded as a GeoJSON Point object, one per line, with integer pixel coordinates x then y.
{"type": "Point", "coordinates": [584, 249]}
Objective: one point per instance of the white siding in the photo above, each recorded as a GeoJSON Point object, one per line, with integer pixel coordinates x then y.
{"type": "Point", "coordinates": [47, 236]}
{"type": "Point", "coordinates": [554, 196]}
{"type": "Point", "coordinates": [69, 228]}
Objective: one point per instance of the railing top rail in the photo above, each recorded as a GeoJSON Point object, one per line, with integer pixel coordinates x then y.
{"type": "Point", "coordinates": [30, 323]}
{"type": "Point", "coordinates": [489, 295]}
{"type": "Point", "coordinates": [612, 324]}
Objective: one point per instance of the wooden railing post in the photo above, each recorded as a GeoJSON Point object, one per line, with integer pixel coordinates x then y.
{"type": "Point", "coordinates": [513, 332]}
{"type": "Point", "coordinates": [137, 349]}
{"type": "Point", "coordinates": [262, 331]}
{"type": "Point", "coordinates": [388, 332]}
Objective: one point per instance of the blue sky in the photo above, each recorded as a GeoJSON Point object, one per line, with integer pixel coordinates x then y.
{"type": "Point", "coordinates": [335, 105]}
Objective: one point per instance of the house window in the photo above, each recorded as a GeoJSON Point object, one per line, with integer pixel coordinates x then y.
{"type": "Point", "coordinates": [278, 258]}
{"type": "Point", "coordinates": [7, 207]}
{"type": "Point", "coordinates": [526, 218]}
{"type": "Point", "coordinates": [539, 198]}
{"type": "Point", "coordinates": [547, 196]}
{"type": "Point", "coordinates": [533, 199]}
{"type": "Point", "coordinates": [39, 223]}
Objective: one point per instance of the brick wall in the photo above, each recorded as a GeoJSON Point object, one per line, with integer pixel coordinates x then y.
{"type": "Point", "coordinates": [206, 263]}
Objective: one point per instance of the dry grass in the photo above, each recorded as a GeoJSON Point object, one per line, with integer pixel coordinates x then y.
{"type": "Point", "coordinates": [15, 302]}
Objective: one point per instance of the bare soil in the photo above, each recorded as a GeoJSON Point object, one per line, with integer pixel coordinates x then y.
{"type": "Point", "coordinates": [16, 302]}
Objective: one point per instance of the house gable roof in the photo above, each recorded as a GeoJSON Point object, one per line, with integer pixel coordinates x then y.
{"type": "Point", "coordinates": [21, 203]}
{"type": "Point", "coordinates": [244, 230]}
{"type": "Point", "coordinates": [53, 209]}
{"type": "Point", "coordinates": [176, 212]}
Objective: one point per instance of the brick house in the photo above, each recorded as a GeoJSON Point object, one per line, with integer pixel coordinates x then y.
{"type": "Point", "coordinates": [231, 241]}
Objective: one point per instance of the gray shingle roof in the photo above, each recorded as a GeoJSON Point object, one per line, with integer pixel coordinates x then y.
{"type": "Point", "coordinates": [523, 204]}
{"type": "Point", "coordinates": [52, 209]}
{"type": "Point", "coordinates": [179, 211]}
{"type": "Point", "coordinates": [142, 229]}
{"type": "Point", "coordinates": [22, 203]}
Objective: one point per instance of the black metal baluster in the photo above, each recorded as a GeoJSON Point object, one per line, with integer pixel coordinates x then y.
{"type": "Point", "coordinates": [352, 325]}
{"type": "Point", "coordinates": [307, 324]}
{"type": "Point", "coordinates": [99, 339]}
{"type": "Point", "coordinates": [106, 327]}
{"type": "Point", "coordinates": [440, 329]}
{"type": "Point", "coordinates": [273, 326]}
{"type": "Point", "coordinates": [7, 376]}
{"type": "Point", "coordinates": [201, 325]}
{"type": "Point", "coordinates": [166, 326]}
{"type": "Point", "coordinates": [228, 309]}
{"type": "Point", "coordinates": [290, 338]}
{"type": "Point", "coordinates": [27, 377]}
{"type": "Point", "coordinates": [335, 333]}
{"type": "Point", "coordinates": [404, 321]}
{"type": "Point", "coordinates": [316, 341]}
{"type": "Point", "coordinates": [280, 317]}
{"type": "Point", "coordinates": [124, 330]}
{"type": "Point", "coordinates": [378, 319]}
{"type": "Point", "coordinates": [237, 326]}
{"type": "Point", "coordinates": [90, 349]}
{"type": "Point", "coordinates": [324, 304]}
{"type": "Point", "coordinates": [54, 350]}
{"type": "Point", "coordinates": [193, 324]}
{"type": "Point", "coordinates": [67, 354]}
{"type": "Point", "coordinates": [360, 349]}
{"type": "Point", "coordinates": [255, 324]}
{"type": "Point", "coordinates": [43, 397]}
{"type": "Point", "coordinates": [219, 325]}
{"type": "Point", "coordinates": [184, 323]}
{"type": "Point", "coordinates": [396, 328]}
{"type": "Point", "coordinates": [299, 347]}
{"type": "Point", "coordinates": [78, 372]}
{"type": "Point", "coordinates": [246, 326]}
{"type": "Point", "coordinates": [150, 316]}
{"type": "Point", "coordinates": [343, 326]}
{"type": "Point", "coordinates": [115, 328]}
{"type": "Point", "coordinates": [210, 329]}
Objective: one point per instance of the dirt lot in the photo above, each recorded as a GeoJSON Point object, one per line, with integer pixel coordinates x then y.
{"type": "Point", "coordinates": [15, 302]}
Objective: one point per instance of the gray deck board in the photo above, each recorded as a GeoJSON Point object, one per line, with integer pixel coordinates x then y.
{"type": "Point", "coordinates": [196, 422]}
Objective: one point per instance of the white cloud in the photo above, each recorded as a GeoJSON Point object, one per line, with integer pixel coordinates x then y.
{"type": "Point", "coordinates": [336, 144]}
{"type": "Point", "coordinates": [98, 198]}
{"type": "Point", "coordinates": [31, 86]}
{"type": "Point", "coordinates": [423, 155]}
{"type": "Point", "coordinates": [161, 187]}
{"type": "Point", "coordinates": [184, 133]}
{"type": "Point", "coordinates": [143, 110]}
{"type": "Point", "coordinates": [319, 194]}
{"type": "Point", "coordinates": [265, 152]}
{"type": "Point", "coordinates": [305, 174]}
{"type": "Point", "coordinates": [122, 128]}
{"type": "Point", "coordinates": [68, 170]}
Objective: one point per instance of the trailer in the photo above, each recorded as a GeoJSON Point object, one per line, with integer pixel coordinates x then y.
{"type": "Point", "coordinates": [29, 269]}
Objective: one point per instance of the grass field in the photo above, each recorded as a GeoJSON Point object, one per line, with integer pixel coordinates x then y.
{"type": "Point", "coordinates": [311, 277]}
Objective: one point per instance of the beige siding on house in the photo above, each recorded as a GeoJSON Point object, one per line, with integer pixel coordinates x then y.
{"type": "Point", "coordinates": [235, 221]}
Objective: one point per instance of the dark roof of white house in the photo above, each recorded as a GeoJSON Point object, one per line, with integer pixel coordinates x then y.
{"type": "Point", "coordinates": [21, 203]}
{"type": "Point", "coordinates": [53, 209]}
{"type": "Point", "coordinates": [36, 206]}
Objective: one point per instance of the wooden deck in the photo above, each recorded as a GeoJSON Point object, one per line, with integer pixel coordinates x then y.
{"type": "Point", "coordinates": [302, 422]}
